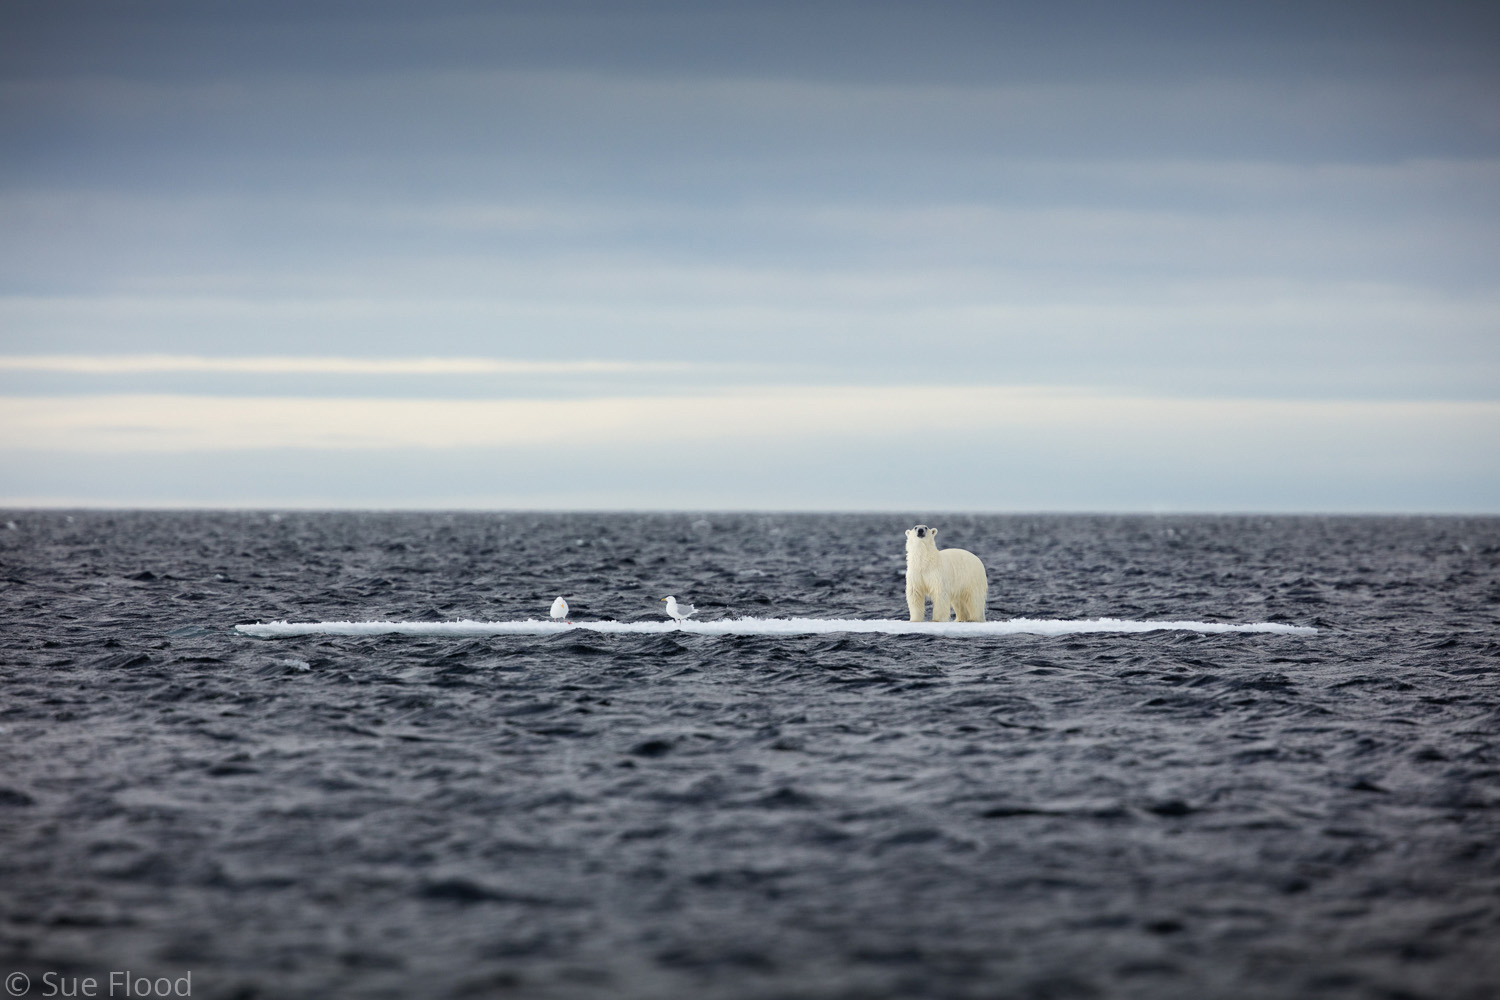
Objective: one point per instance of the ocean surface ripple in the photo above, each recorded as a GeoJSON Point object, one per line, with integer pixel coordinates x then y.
{"type": "Point", "coordinates": [673, 814]}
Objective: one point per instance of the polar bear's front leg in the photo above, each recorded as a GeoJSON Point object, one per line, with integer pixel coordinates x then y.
{"type": "Point", "coordinates": [914, 603]}
{"type": "Point", "coordinates": [942, 608]}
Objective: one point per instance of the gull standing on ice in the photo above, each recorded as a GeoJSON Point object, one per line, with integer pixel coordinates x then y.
{"type": "Point", "coordinates": [680, 613]}
{"type": "Point", "coordinates": [560, 610]}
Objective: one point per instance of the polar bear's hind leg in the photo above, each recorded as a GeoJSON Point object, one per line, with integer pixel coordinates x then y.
{"type": "Point", "coordinates": [971, 606]}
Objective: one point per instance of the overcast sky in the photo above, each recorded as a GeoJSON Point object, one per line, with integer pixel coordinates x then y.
{"type": "Point", "coordinates": [921, 256]}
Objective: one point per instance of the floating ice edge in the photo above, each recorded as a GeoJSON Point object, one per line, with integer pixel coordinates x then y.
{"type": "Point", "coordinates": [765, 626]}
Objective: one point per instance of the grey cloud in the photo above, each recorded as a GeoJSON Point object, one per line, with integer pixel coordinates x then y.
{"type": "Point", "coordinates": [963, 41]}
{"type": "Point", "coordinates": [700, 137]}
{"type": "Point", "coordinates": [1085, 225]}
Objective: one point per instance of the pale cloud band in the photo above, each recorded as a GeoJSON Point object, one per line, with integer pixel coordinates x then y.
{"type": "Point", "coordinates": [798, 419]}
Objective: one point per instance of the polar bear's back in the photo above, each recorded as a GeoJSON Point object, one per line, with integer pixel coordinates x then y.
{"type": "Point", "coordinates": [961, 563]}
{"type": "Point", "coordinates": [962, 571]}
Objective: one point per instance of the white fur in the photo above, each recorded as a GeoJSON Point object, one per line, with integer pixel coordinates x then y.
{"type": "Point", "coordinates": [953, 578]}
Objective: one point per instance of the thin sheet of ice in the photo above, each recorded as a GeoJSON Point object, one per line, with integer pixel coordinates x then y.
{"type": "Point", "coordinates": [762, 626]}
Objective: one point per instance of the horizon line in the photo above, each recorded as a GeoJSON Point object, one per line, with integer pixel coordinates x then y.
{"type": "Point", "coordinates": [11, 505]}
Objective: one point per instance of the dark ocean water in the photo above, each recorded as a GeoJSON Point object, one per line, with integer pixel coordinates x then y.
{"type": "Point", "coordinates": [1163, 815]}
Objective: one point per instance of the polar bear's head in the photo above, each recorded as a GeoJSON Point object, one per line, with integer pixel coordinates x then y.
{"type": "Point", "coordinates": [921, 536]}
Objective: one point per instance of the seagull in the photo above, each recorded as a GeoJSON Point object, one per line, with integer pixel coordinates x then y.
{"type": "Point", "coordinates": [679, 613]}
{"type": "Point", "coordinates": [560, 610]}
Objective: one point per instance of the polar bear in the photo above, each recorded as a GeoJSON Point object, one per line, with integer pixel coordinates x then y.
{"type": "Point", "coordinates": [953, 578]}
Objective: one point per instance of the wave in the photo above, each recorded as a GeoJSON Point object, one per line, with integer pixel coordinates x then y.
{"type": "Point", "coordinates": [764, 626]}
